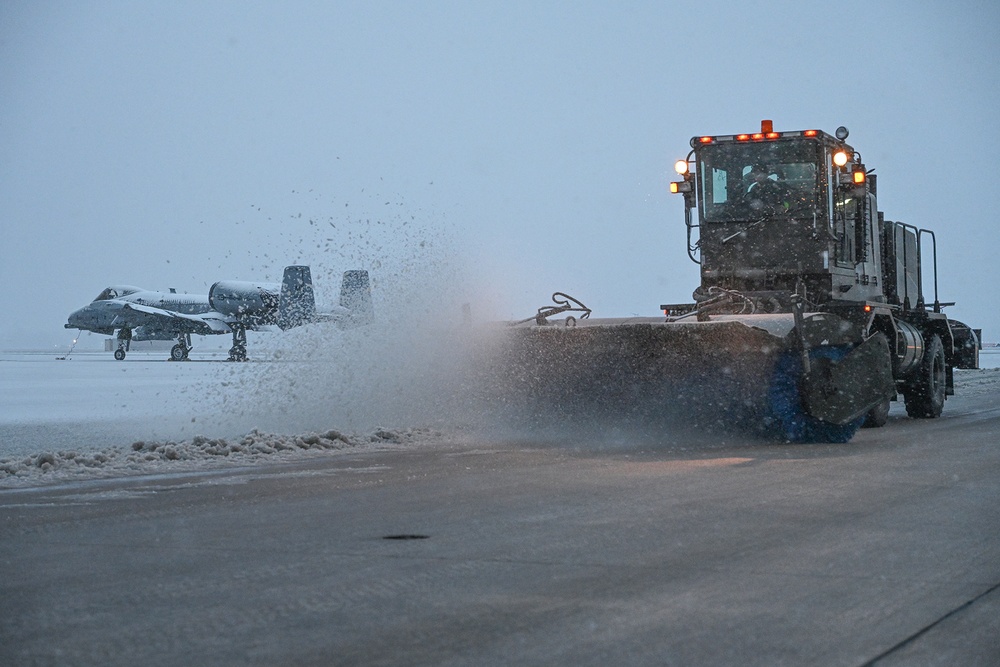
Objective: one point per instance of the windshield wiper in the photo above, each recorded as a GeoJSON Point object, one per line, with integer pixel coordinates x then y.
{"type": "Point", "coordinates": [744, 230]}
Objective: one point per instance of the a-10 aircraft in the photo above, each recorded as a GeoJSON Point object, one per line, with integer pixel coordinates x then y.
{"type": "Point", "coordinates": [231, 306]}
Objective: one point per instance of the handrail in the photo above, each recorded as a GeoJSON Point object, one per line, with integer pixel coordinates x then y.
{"type": "Point", "coordinates": [937, 304]}
{"type": "Point", "coordinates": [920, 279]}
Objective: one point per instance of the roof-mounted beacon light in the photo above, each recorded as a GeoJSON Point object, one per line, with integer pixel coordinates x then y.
{"type": "Point", "coordinates": [766, 126]}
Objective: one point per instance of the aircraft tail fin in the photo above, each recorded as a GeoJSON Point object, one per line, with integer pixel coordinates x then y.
{"type": "Point", "coordinates": [356, 297]}
{"type": "Point", "coordinates": [297, 304]}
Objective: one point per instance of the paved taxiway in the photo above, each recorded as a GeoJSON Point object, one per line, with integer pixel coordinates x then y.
{"type": "Point", "coordinates": [886, 549]}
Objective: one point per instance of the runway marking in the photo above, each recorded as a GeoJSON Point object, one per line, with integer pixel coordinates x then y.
{"type": "Point", "coordinates": [924, 630]}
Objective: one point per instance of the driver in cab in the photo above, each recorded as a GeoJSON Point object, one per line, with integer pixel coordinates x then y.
{"type": "Point", "coordinates": [766, 193]}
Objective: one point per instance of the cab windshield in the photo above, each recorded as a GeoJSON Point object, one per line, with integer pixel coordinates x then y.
{"type": "Point", "coordinates": [751, 181]}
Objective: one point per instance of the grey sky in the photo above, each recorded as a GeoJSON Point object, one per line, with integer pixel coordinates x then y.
{"type": "Point", "coordinates": [179, 143]}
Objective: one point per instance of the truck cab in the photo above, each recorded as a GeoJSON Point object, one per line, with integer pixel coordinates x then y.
{"type": "Point", "coordinates": [786, 221]}
{"type": "Point", "coordinates": [774, 207]}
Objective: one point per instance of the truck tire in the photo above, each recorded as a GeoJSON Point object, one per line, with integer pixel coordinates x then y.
{"type": "Point", "coordinates": [924, 393]}
{"type": "Point", "coordinates": [784, 395]}
{"type": "Point", "coordinates": [877, 416]}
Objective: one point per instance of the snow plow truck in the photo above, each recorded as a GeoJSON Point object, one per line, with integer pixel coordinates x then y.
{"type": "Point", "coordinates": [810, 318]}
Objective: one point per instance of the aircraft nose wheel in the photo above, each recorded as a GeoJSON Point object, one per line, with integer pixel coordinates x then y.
{"type": "Point", "coordinates": [238, 353]}
{"type": "Point", "coordinates": [177, 353]}
{"type": "Point", "coordinates": [119, 354]}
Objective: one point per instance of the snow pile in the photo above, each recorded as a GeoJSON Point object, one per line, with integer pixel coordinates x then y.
{"type": "Point", "coordinates": [198, 453]}
{"type": "Point", "coordinates": [976, 382]}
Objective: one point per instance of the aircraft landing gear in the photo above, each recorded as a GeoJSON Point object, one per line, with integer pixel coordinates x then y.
{"type": "Point", "coordinates": [180, 351]}
{"type": "Point", "coordinates": [124, 342]}
{"type": "Point", "coordinates": [238, 352]}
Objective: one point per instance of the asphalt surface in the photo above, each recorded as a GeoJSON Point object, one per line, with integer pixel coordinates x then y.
{"type": "Point", "coordinates": [882, 551]}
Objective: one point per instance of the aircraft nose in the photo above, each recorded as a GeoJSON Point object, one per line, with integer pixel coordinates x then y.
{"type": "Point", "coordinates": [73, 321]}
{"type": "Point", "coordinates": [81, 319]}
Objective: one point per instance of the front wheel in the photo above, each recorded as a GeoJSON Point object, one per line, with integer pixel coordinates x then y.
{"type": "Point", "coordinates": [878, 416]}
{"type": "Point", "coordinates": [925, 390]}
{"type": "Point", "coordinates": [785, 397]}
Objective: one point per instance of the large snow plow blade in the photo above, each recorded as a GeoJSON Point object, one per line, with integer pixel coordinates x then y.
{"type": "Point", "coordinates": [638, 370]}
{"type": "Point", "coordinates": [744, 372]}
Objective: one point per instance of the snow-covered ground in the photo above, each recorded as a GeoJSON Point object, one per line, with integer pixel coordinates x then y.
{"type": "Point", "coordinates": [90, 416]}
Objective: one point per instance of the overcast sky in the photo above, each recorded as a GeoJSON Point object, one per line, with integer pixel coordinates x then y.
{"type": "Point", "coordinates": [527, 145]}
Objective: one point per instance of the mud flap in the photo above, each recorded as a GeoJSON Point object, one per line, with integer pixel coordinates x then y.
{"type": "Point", "coordinates": [841, 391]}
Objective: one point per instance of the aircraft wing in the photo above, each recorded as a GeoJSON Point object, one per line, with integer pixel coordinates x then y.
{"type": "Point", "coordinates": [170, 321]}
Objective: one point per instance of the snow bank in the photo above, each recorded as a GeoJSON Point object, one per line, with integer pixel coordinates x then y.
{"type": "Point", "coordinates": [198, 453]}
{"type": "Point", "coordinates": [257, 447]}
{"type": "Point", "coordinates": [976, 382]}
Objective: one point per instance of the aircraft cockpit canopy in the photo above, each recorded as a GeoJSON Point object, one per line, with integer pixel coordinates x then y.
{"type": "Point", "coordinates": [116, 292]}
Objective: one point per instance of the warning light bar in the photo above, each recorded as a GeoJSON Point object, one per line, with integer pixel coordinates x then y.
{"type": "Point", "coordinates": [766, 134]}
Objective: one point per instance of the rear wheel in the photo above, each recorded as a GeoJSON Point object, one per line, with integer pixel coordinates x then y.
{"type": "Point", "coordinates": [924, 392]}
